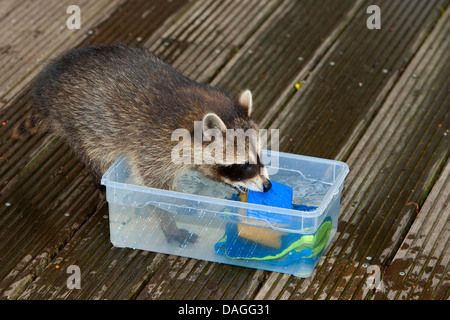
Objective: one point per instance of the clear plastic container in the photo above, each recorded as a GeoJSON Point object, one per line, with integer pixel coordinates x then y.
{"type": "Point", "coordinates": [282, 240]}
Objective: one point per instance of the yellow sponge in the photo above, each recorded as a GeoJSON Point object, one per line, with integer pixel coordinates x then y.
{"type": "Point", "coordinates": [260, 234]}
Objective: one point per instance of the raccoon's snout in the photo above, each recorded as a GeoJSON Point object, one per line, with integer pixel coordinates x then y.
{"type": "Point", "coordinates": [267, 185]}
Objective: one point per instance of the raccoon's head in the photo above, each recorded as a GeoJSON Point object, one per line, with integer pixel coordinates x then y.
{"type": "Point", "coordinates": [238, 162]}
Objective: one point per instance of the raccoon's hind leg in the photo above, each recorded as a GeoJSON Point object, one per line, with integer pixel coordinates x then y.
{"type": "Point", "coordinates": [171, 231]}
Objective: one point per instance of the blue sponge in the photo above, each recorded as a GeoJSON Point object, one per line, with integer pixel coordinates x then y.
{"type": "Point", "coordinates": [279, 195]}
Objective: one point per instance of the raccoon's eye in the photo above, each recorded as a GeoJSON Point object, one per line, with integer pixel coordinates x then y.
{"type": "Point", "coordinates": [244, 166]}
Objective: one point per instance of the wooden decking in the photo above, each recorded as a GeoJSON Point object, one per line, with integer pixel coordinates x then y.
{"type": "Point", "coordinates": [377, 99]}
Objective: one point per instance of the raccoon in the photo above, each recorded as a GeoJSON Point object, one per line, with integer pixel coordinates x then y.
{"type": "Point", "coordinates": [112, 100]}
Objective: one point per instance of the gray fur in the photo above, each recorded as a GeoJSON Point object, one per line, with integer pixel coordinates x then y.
{"type": "Point", "coordinates": [112, 100]}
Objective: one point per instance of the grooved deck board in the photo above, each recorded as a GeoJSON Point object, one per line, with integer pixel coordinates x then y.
{"type": "Point", "coordinates": [273, 39]}
{"type": "Point", "coordinates": [350, 76]}
{"type": "Point", "coordinates": [43, 181]}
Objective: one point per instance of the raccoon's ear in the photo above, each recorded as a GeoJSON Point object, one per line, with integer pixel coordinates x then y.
{"type": "Point", "coordinates": [213, 121]}
{"type": "Point", "coordinates": [246, 100]}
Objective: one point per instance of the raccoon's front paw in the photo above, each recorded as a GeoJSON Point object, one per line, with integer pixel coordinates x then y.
{"type": "Point", "coordinates": [182, 236]}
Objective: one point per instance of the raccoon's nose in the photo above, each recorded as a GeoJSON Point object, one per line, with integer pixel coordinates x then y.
{"type": "Point", "coordinates": [267, 185]}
